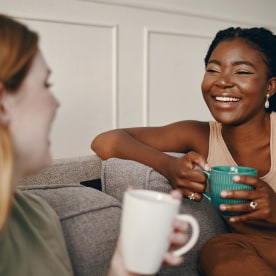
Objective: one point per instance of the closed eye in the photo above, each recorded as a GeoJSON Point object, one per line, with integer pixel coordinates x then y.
{"type": "Point", "coordinates": [212, 71]}
{"type": "Point", "coordinates": [48, 85]}
{"type": "Point", "coordinates": [241, 72]}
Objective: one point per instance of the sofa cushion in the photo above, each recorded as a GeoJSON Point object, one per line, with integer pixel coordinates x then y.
{"type": "Point", "coordinates": [90, 222]}
{"type": "Point", "coordinates": [118, 174]}
{"type": "Point", "coordinates": [66, 171]}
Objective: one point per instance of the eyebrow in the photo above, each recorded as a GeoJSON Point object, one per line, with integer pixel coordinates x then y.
{"type": "Point", "coordinates": [242, 62]}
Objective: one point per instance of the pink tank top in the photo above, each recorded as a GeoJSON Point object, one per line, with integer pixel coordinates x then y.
{"type": "Point", "coordinates": [219, 154]}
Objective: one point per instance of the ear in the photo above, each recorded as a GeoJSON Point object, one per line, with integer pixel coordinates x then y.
{"type": "Point", "coordinates": [3, 113]}
{"type": "Point", "coordinates": [271, 88]}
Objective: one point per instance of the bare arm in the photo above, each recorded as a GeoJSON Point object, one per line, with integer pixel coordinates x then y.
{"type": "Point", "coordinates": [147, 144]}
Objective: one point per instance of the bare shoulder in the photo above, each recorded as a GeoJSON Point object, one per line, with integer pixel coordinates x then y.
{"type": "Point", "coordinates": [181, 136]}
{"type": "Point", "coordinates": [192, 135]}
{"type": "Point", "coordinates": [192, 125]}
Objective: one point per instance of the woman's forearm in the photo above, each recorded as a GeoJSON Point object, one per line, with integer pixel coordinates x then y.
{"type": "Point", "coordinates": [120, 144]}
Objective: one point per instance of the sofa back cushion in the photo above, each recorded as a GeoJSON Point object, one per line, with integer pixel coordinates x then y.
{"type": "Point", "coordinates": [66, 171]}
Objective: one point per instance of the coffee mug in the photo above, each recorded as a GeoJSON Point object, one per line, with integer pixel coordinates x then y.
{"type": "Point", "coordinates": [221, 178]}
{"type": "Point", "coordinates": [145, 227]}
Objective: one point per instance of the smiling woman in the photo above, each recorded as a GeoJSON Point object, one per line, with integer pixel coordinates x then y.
{"type": "Point", "coordinates": [239, 88]}
{"type": "Point", "coordinates": [261, 43]}
{"type": "Point", "coordinates": [233, 87]}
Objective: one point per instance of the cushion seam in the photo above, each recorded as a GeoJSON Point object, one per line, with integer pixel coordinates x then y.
{"type": "Point", "coordinates": [87, 211]}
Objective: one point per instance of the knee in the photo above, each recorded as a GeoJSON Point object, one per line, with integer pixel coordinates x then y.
{"type": "Point", "coordinates": [213, 259]}
{"type": "Point", "coordinates": [214, 246]}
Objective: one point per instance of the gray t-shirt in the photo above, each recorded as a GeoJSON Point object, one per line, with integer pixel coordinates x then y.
{"type": "Point", "coordinates": [32, 242]}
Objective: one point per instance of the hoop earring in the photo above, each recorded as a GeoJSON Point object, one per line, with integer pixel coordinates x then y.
{"type": "Point", "coordinates": [267, 102]}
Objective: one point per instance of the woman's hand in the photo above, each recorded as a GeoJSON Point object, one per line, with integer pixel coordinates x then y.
{"type": "Point", "coordinates": [177, 239]}
{"type": "Point", "coordinates": [185, 174]}
{"type": "Point", "coordinates": [262, 197]}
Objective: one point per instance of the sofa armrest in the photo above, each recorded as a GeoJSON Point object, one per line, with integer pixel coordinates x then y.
{"type": "Point", "coordinates": [66, 171]}
{"type": "Point", "coordinates": [118, 174]}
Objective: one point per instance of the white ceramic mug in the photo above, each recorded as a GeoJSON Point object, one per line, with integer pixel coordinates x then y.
{"type": "Point", "coordinates": [145, 226]}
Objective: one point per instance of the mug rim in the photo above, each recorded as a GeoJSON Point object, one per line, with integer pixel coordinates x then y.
{"type": "Point", "coordinates": [154, 196]}
{"type": "Point", "coordinates": [244, 168]}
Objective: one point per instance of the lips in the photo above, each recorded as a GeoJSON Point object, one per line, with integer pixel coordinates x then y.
{"type": "Point", "coordinates": [227, 99]}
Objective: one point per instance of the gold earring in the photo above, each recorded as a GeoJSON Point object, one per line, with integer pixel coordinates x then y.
{"type": "Point", "coordinates": [267, 102]}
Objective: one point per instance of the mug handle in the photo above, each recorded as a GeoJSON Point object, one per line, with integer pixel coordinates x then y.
{"type": "Point", "coordinates": [195, 234]}
{"type": "Point", "coordinates": [206, 195]}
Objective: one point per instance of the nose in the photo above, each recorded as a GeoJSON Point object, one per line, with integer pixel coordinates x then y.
{"type": "Point", "coordinates": [224, 80]}
{"type": "Point", "coordinates": [56, 102]}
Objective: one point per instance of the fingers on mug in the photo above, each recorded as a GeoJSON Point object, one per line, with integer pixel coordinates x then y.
{"type": "Point", "coordinates": [221, 178]}
{"type": "Point", "coordinates": [192, 241]}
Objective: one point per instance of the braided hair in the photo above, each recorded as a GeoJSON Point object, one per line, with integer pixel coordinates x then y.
{"type": "Point", "coordinates": [261, 39]}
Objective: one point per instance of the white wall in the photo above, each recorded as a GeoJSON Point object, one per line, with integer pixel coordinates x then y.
{"type": "Point", "coordinates": [121, 63]}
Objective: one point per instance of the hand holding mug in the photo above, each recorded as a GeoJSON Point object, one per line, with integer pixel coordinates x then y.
{"type": "Point", "coordinates": [182, 174]}
{"type": "Point", "coordinates": [261, 204]}
{"type": "Point", "coordinates": [221, 180]}
{"type": "Point", "coordinates": [145, 227]}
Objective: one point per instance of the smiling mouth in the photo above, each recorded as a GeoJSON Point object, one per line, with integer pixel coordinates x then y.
{"type": "Point", "coordinates": [226, 99]}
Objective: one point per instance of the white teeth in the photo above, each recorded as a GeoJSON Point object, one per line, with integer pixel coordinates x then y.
{"type": "Point", "coordinates": [227, 99]}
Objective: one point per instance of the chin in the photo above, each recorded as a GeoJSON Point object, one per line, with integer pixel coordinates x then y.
{"type": "Point", "coordinates": [38, 164]}
{"type": "Point", "coordinates": [47, 160]}
{"type": "Point", "coordinates": [226, 118]}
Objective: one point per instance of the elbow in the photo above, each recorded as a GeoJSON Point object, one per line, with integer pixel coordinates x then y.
{"type": "Point", "coordinates": [110, 144]}
{"type": "Point", "coordinates": [97, 145]}
{"type": "Point", "coordinates": [104, 145]}
{"type": "Point", "coordinates": [94, 144]}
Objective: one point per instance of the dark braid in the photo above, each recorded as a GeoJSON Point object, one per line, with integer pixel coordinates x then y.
{"type": "Point", "coordinates": [261, 39]}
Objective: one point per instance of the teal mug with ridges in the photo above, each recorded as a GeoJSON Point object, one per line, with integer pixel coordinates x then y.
{"type": "Point", "coordinates": [221, 178]}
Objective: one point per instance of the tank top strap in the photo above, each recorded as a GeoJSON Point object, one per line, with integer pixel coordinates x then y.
{"type": "Point", "coordinates": [218, 152]}
{"type": "Point", "coordinates": [270, 177]}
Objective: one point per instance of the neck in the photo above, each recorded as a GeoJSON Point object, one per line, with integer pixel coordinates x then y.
{"type": "Point", "coordinates": [249, 140]}
{"type": "Point", "coordinates": [251, 129]}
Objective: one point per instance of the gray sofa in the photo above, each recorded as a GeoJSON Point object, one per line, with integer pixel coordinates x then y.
{"type": "Point", "coordinates": [86, 193]}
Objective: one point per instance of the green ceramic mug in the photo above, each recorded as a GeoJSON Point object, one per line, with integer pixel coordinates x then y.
{"type": "Point", "coordinates": [221, 178]}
